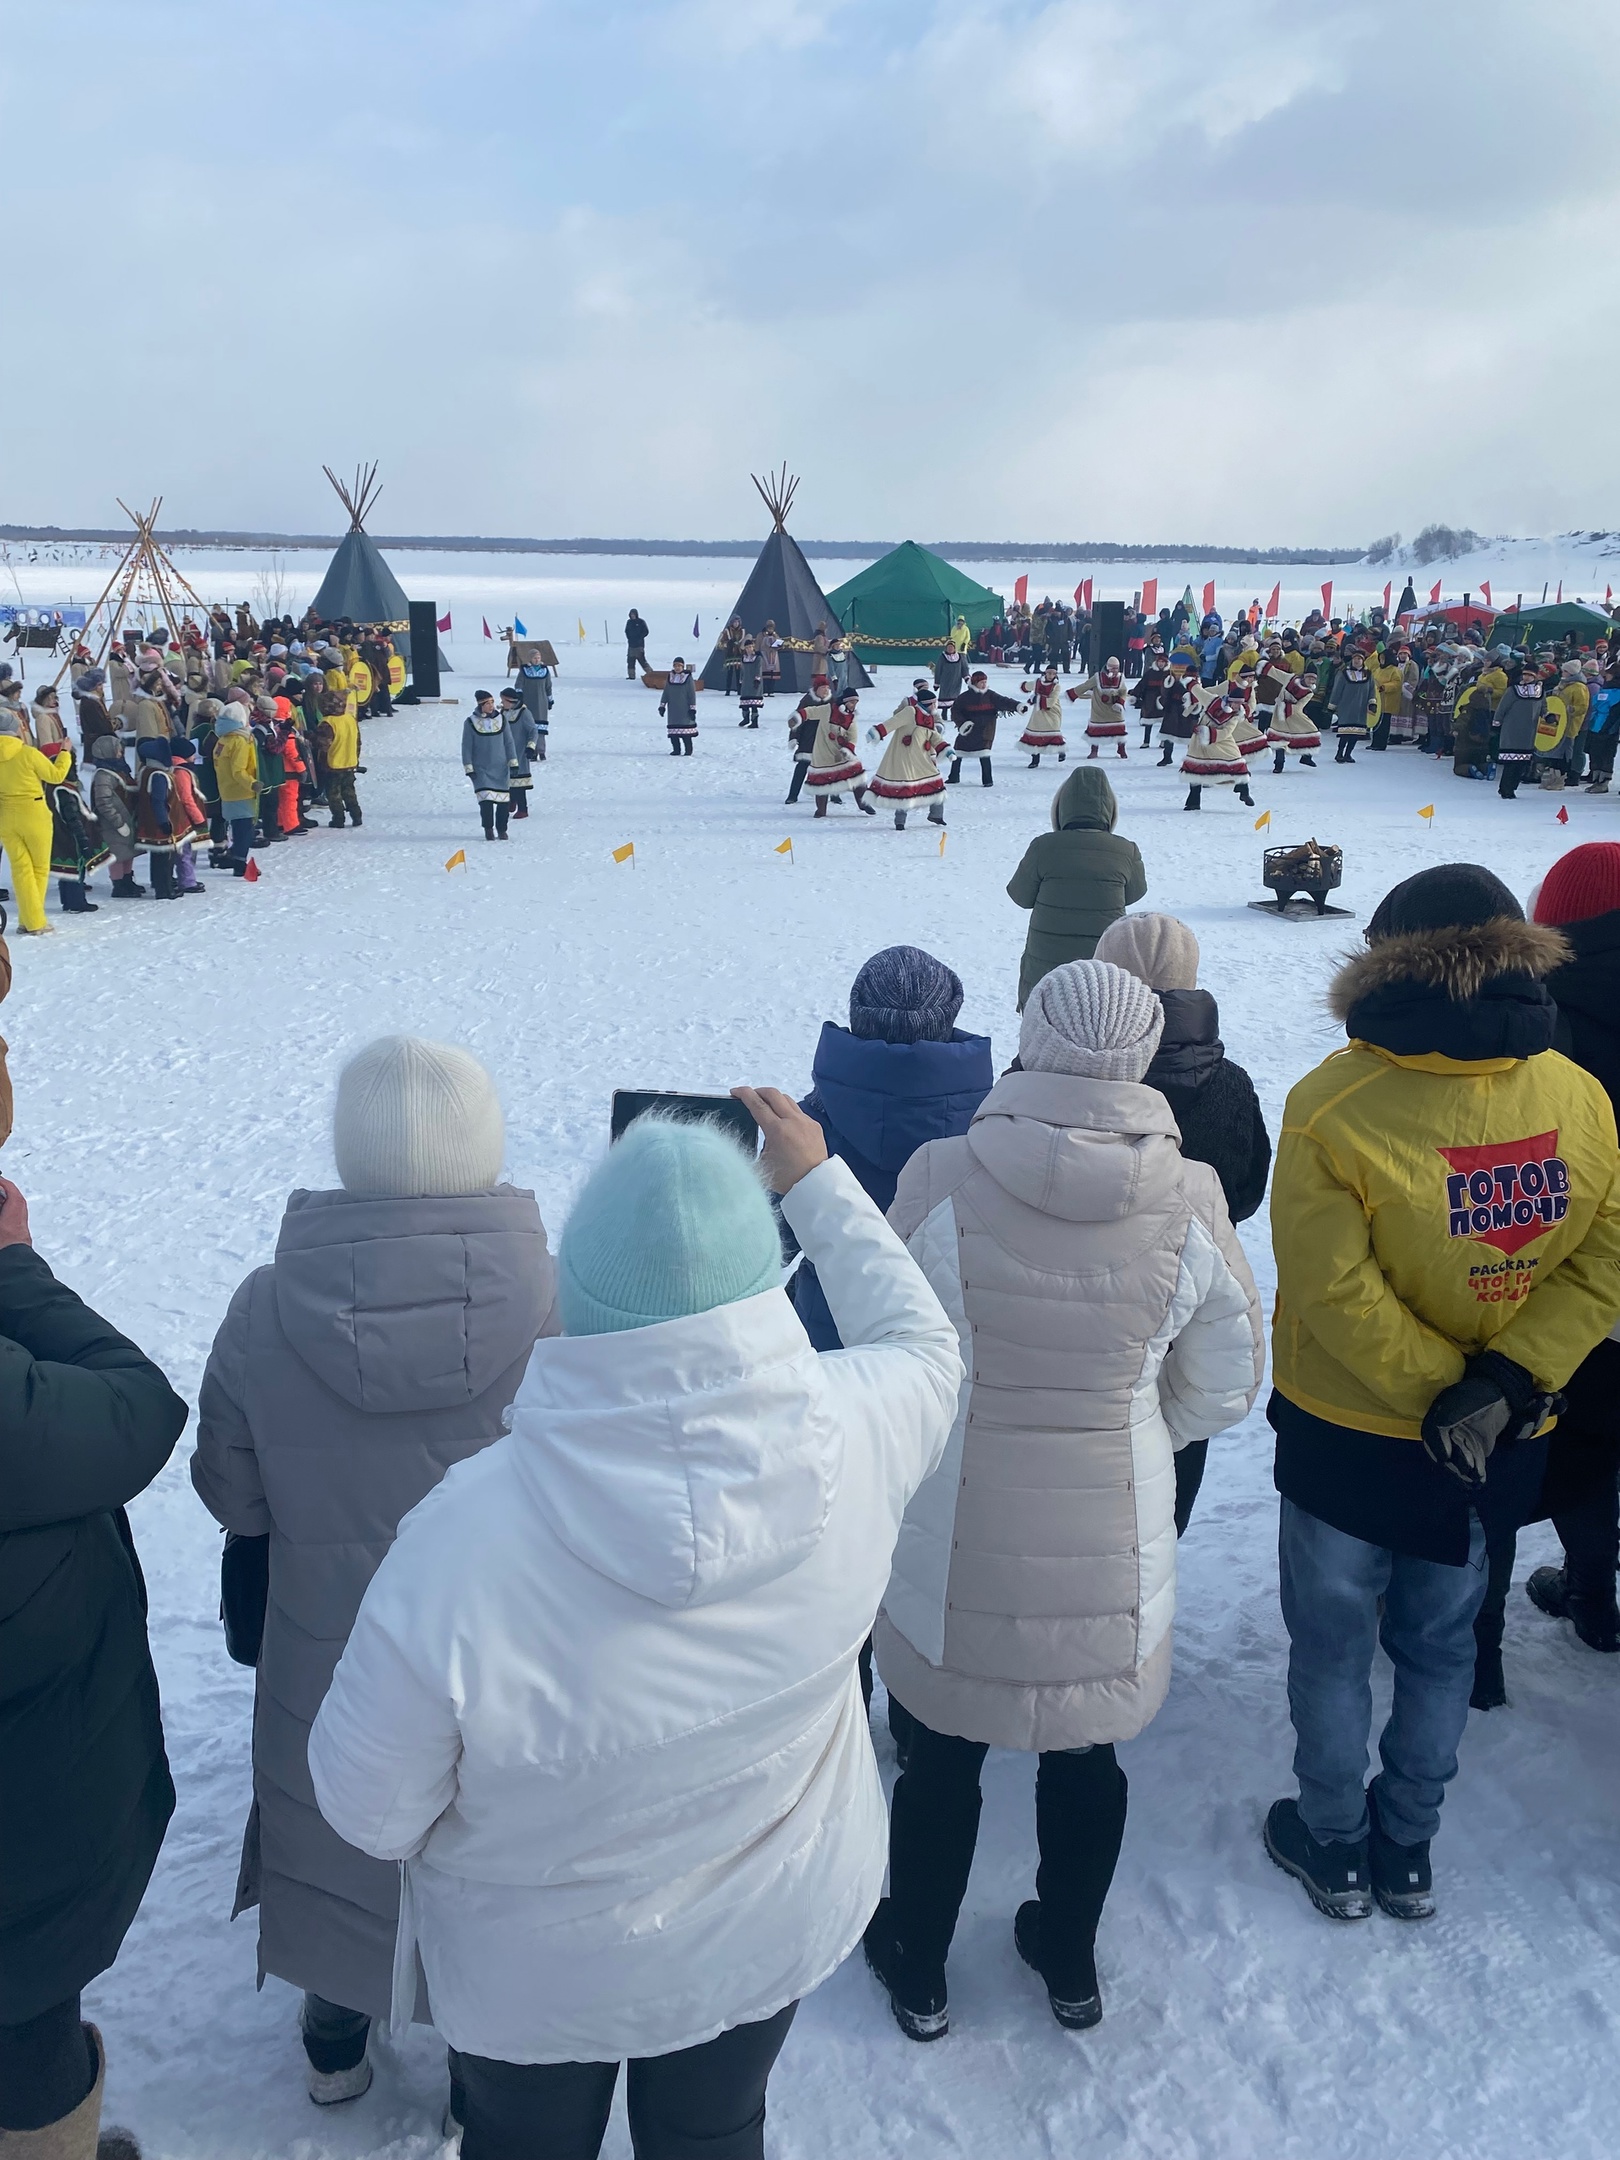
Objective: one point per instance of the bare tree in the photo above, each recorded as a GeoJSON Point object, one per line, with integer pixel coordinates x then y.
{"type": "Point", "coordinates": [270, 588]}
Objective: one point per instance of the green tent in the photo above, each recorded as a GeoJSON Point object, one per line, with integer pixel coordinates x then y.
{"type": "Point", "coordinates": [1570, 622]}
{"type": "Point", "coordinates": [900, 609]}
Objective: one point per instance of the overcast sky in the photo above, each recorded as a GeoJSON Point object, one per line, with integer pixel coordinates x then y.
{"type": "Point", "coordinates": [1232, 271]}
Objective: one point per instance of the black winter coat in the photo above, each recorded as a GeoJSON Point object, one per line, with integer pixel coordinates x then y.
{"type": "Point", "coordinates": [1214, 1100]}
{"type": "Point", "coordinates": [85, 1796]}
{"type": "Point", "coordinates": [1587, 994]}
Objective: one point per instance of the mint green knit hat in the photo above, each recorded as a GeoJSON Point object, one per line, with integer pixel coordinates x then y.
{"type": "Point", "coordinates": [675, 1222]}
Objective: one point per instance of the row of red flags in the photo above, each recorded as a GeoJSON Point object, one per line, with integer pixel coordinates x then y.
{"type": "Point", "coordinates": [1150, 595]}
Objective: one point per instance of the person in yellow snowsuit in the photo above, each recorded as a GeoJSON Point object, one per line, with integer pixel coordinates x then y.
{"type": "Point", "coordinates": [25, 817]}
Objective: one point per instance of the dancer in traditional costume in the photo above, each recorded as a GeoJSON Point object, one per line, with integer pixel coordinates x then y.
{"type": "Point", "coordinates": [1179, 704]}
{"type": "Point", "coordinates": [1213, 757]}
{"type": "Point", "coordinates": [909, 773]}
{"type": "Point", "coordinates": [1107, 692]}
{"type": "Point", "coordinates": [833, 761]}
{"type": "Point", "coordinates": [1292, 728]}
{"type": "Point", "coordinates": [1044, 728]}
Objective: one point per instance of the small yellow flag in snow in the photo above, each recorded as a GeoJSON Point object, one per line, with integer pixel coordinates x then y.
{"type": "Point", "coordinates": [458, 860]}
{"type": "Point", "coordinates": [942, 843]}
{"type": "Point", "coordinates": [581, 630]}
{"type": "Point", "coordinates": [1427, 812]}
{"type": "Point", "coordinates": [784, 847]}
{"type": "Point", "coordinates": [626, 853]}
{"type": "Point", "coordinates": [1262, 821]}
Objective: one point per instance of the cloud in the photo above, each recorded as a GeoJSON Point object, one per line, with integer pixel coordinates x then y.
{"type": "Point", "coordinates": [1233, 270]}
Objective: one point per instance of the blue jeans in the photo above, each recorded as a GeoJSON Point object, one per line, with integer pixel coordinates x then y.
{"type": "Point", "coordinates": [1330, 1586]}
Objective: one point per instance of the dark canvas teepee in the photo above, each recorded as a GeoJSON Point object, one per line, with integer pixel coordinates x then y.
{"type": "Point", "coordinates": [782, 589]}
{"type": "Point", "coordinates": [358, 586]}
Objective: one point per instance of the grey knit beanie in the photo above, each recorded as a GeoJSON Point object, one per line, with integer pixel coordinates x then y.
{"type": "Point", "coordinates": [905, 995]}
{"type": "Point", "coordinates": [1091, 1020]}
{"type": "Point", "coordinates": [1156, 949]}
{"type": "Point", "coordinates": [416, 1119]}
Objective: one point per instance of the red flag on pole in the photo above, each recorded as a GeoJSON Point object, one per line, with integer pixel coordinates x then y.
{"type": "Point", "coordinates": [1485, 588]}
{"type": "Point", "coordinates": [444, 624]}
{"type": "Point", "coordinates": [1327, 597]}
{"type": "Point", "coordinates": [1608, 594]}
{"type": "Point", "coordinates": [488, 632]}
{"type": "Point", "coordinates": [1088, 586]}
{"type": "Point", "coordinates": [1021, 590]}
{"type": "Point", "coordinates": [1209, 597]}
{"type": "Point", "coordinates": [1080, 595]}
{"type": "Point", "coordinates": [1563, 815]}
{"type": "Point", "coordinates": [1274, 604]}
{"type": "Point", "coordinates": [1388, 589]}
{"type": "Point", "coordinates": [1150, 595]}
{"type": "Point", "coordinates": [1434, 593]}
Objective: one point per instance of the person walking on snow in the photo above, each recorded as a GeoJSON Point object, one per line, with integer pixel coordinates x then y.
{"type": "Point", "coordinates": [601, 1695]}
{"type": "Point", "coordinates": [1043, 730]}
{"type": "Point", "coordinates": [1033, 1593]}
{"type": "Point", "coordinates": [635, 644]}
{"type": "Point", "coordinates": [678, 705]}
{"type": "Point", "coordinates": [910, 771]}
{"type": "Point", "coordinates": [750, 684]}
{"type": "Point", "coordinates": [489, 759]}
{"type": "Point", "coordinates": [345, 1380]}
{"type": "Point", "coordinates": [527, 743]}
{"type": "Point", "coordinates": [1439, 1156]}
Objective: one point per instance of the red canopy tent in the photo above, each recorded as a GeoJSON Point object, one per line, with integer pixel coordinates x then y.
{"type": "Point", "coordinates": [1459, 615]}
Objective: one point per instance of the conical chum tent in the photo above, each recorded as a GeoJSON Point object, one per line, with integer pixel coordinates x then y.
{"type": "Point", "coordinates": [900, 608]}
{"type": "Point", "coordinates": [358, 586]}
{"type": "Point", "coordinates": [782, 589]}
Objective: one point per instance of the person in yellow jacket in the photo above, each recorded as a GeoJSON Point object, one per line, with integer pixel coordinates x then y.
{"type": "Point", "coordinates": [25, 816]}
{"type": "Point", "coordinates": [1445, 1215]}
{"type": "Point", "coordinates": [236, 773]}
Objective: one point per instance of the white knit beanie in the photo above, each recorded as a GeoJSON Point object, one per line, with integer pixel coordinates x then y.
{"type": "Point", "coordinates": [416, 1119]}
{"type": "Point", "coordinates": [1158, 949]}
{"type": "Point", "coordinates": [1092, 1020]}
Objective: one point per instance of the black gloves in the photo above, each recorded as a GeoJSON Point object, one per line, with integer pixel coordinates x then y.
{"type": "Point", "coordinates": [1495, 1400]}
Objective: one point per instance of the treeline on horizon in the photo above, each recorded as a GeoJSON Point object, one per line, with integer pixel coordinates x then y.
{"type": "Point", "coordinates": [484, 544]}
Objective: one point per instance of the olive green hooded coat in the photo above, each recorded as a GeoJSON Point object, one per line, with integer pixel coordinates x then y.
{"type": "Point", "coordinates": [1076, 879]}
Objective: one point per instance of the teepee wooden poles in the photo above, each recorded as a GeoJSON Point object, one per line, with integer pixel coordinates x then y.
{"type": "Point", "coordinates": [776, 492]}
{"type": "Point", "coordinates": [144, 572]}
{"type": "Point", "coordinates": [359, 497]}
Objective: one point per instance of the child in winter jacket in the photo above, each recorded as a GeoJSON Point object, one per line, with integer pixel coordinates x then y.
{"type": "Point", "coordinates": [112, 800]}
{"type": "Point", "coordinates": [339, 738]}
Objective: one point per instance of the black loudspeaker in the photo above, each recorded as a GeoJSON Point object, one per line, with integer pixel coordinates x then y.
{"type": "Point", "coordinates": [424, 647]}
{"type": "Point", "coordinates": [1107, 634]}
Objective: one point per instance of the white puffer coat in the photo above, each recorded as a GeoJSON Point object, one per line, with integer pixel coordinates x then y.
{"type": "Point", "coordinates": [1108, 1317]}
{"type": "Point", "coordinates": [601, 1695]}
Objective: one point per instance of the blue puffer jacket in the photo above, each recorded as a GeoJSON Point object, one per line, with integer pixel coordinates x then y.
{"type": "Point", "coordinates": [877, 1103]}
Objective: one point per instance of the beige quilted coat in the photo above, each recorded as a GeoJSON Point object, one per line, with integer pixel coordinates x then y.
{"type": "Point", "coordinates": [1107, 1317]}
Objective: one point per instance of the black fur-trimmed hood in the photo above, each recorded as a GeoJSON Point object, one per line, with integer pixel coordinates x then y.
{"type": "Point", "coordinates": [1453, 962]}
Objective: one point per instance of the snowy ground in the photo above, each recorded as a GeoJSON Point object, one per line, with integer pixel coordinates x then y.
{"type": "Point", "coordinates": [173, 1077]}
